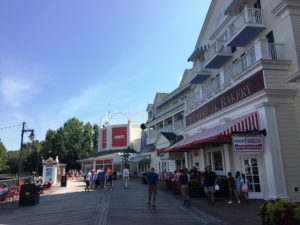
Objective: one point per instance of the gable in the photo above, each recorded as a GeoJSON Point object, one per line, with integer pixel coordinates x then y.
{"type": "Point", "coordinates": [159, 97]}
{"type": "Point", "coordinates": [214, 19]}
{"type": "Point", "coordinates": [186, 77]}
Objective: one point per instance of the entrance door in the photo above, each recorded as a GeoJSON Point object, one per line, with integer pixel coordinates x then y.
{"type": "Point", "coordinates": [251, 167]}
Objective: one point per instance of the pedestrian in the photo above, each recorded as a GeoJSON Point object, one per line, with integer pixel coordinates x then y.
{"type": "Point", "coordinates": [152, 179]}
{"type": "Point", "coordinates": [238, 182]}
{"type": "Point", "coordinates": [245, 187]}
{"type": "Point", "coordinates": [184, 181]}
{"type": "Point", "coordinates": [232, 189]}
{"type": "Point", "coordinates": [126, 176]}
{"type": "Point", "coordinates": [101, 177]}
{"type": "Point", "coordinates": [87, 180]}
{"type": "Point", "coordinates": [210, 180]}
{"type": "Point", "coordinates": [108, 175]}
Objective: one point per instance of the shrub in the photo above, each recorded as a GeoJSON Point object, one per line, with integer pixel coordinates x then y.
{"type": "Point", "coordinates": [280, 212]}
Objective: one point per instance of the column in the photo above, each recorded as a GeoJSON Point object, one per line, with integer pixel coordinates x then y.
{"type": "Point", "coordinates": [202, 160]}
{"type": "Point", "coordinates": [272, 157]}
{"type": "Point", "coordinates": [226, 158]}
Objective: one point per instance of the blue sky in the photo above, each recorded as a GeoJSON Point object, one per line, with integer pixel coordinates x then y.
{"type": "Point", "coordinates": [63, 58]}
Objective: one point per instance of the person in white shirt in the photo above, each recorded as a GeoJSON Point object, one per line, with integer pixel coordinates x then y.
{"type": "Point", "coordinates": [87, 180]}
{"type": "Point", "coordinates": [126, 176]}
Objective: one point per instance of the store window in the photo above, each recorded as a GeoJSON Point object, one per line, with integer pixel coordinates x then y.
{"type": "Point", "coordinates": [216, 160]}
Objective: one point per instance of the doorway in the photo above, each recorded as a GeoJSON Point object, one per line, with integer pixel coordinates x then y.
{"type": "Point", "coordinates": [251, 168]}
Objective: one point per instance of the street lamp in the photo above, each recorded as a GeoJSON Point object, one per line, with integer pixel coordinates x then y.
{"type": "Point", "coordinates": [31, 137]}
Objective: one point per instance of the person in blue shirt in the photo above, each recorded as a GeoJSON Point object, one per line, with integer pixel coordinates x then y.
{"type": "Point", "coordinates": [152, 179]}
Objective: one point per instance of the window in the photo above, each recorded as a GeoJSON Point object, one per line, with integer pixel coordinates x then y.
{"type": "Point", "coordinates": [215, 158]}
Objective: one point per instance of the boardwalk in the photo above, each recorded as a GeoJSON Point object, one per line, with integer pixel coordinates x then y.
{"type": "Point", "coordinates": [71, 205]}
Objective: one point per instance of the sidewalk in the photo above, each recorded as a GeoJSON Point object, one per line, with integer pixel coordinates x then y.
{"type": "Point", "coordinates": [230, 214]}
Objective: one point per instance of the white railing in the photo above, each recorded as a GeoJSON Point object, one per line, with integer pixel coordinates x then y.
{"type": "Point", "coordinates": [168, 128]}
{"type": "Point", "coordinates": [151, 133]}
{"type": "Point", "coordinates": [276, 51]}
{"type": "Point", "coordinates": [211, 87]}
{"type": "Point", "coordinates": [240, 66]}
{"type": "Point", "coordinates": [247, 16]}
{"type": "Point", "coordinates": [193, 101]}
{"type": "Point", "coordinates": [218, 47]}
{"type": "Point", "coordinates": [170, 108]}
{"type": "Point", "coordinates": [178, 125]}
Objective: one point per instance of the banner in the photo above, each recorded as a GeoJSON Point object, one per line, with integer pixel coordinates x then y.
{"type": "Point", "coordinates": [247, 143]}
{"type": "Point", "coordinates": [104, 138]}
{"type": "Point", "coordinates": [119, 136]}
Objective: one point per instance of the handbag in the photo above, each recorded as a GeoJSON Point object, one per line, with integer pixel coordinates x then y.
{"type": "Point", "coordinates": [217, 187]}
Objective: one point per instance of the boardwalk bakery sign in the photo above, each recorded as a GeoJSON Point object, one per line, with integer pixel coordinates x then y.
{"type": "Point", "coordinates": [247, 143]}
{"type": "Point", "coordinates": [241, 91]}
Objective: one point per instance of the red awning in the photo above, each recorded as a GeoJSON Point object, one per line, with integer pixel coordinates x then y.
{"type": "Point", "coordinates": [217, 135]}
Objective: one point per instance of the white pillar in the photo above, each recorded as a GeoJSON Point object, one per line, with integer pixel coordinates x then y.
{"type": "Point", "coordinates": [226, 158]}
{"type": "Point", "coordinates": [186, 160]}
{"type": "Point", "coordinates": [202, 160]}
{"type": "Point", "coordinates": [276, 183]}
{"type": "Point", "coordinates": [261, 49]}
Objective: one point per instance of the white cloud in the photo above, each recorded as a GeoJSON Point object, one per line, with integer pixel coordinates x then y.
{"type": "Point", "coordinates": [19, 82]}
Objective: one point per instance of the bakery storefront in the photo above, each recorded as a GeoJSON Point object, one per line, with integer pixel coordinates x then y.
{"type": "Point", "coordinates": [229, 133]}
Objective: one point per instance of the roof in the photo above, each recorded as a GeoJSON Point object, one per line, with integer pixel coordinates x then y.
{"type": "Point", "coordinates": [148, 148]}
{"type": "Point", "coordinates": [107, 152]}
{"type": "Point", "coordinates": [172, 138]}
{"type": "Point", "coordinates": [140, 158]}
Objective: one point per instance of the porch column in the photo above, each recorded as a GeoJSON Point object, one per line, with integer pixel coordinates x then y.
{"type": "Point", "coordinates": [202, 160]}
{"type": "Point", "coordinates": [274, 173]}
{"type": "Point", "coordinates": [226, 159]}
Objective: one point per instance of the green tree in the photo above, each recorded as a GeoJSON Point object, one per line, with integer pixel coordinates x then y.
{"type": "Point", "coordinates": [12, 162]}
{"type": "Point", "coordinates": [73, 142]}
{"type": "Point", "coordinates": [87, 140]}
{"type": "Point", "coordinates": [48, 145]}
{"type": "Point", "coordinates": [95, 137]}
{"type": "Point", "coordinates": [3, 157]}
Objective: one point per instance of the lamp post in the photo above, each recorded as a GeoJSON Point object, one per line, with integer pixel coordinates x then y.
{"type": "Point", "coordinates": [31, 137]}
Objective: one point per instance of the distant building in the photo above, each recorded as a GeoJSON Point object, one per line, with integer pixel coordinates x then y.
{"type": "Point", "coordinates": [112, 141]}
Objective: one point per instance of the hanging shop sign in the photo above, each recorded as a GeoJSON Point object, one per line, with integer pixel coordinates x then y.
{"type": "Point", "coordinates": [247, 143]}
{"type": "Point", "coordinates": [104, 138]}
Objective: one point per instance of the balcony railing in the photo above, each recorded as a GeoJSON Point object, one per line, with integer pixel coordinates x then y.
{"type": "Point", "coordinates": [247, 26]}
{"type": "Point", "coordinates": [168, 128]}
{"type": "Point", "coordinates": [211, 87]}
{"type": "Point", "coordinates": [180, 102]}
{"type": "Point", "coordinates": [194, 101]}
{"type": "Point", "coordinates": [276, 51]}
{"type": "Point", "coordinates": [178, 125]}
{"type": "Point", "coordinates": [217, 54]}
{"type": "Point", "coordinates": [240, 66]}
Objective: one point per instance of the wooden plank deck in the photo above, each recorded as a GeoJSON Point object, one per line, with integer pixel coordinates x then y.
{"type": "Point", "coordinates": [72, 205]}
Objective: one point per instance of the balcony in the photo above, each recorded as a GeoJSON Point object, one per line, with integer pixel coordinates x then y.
{"type": "Point", "coordinates": [178, 104]}
{"type": "Point", "coordinates": [246, 27]}
{"type": "Point", "coordinates": [262, 50]}
{"type": "Point", "coordinates": [199, 73]}
{"type": "Point", "coordinates": [211, 87]}
{"type": "Point", "coordinates": [217, 55]}
{"type": "Point", "coordinates": [178, 125]}
{"type": "Point", "coordinates": [198, 98]}
{"type": "Point", "coordinates": [168, 128]}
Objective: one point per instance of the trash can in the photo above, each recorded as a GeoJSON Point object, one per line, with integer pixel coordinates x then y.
{"type": "Point", "coordinates": [63, 181]}
{"type": "Point", "coordinates": [144, 180]}
{"type": "Point", "coordinates": [29, 195]}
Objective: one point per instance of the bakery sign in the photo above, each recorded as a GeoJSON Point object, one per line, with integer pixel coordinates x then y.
{"type": "Point", "coordinates": [247, 143]}
{"type": "Point", "coordinates": [236, 94]}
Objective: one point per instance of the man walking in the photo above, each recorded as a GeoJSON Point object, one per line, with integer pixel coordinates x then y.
{"type": "Point", "coordinates": [152, 179]}
{"type": "Point", "coordinates": [210, 180]}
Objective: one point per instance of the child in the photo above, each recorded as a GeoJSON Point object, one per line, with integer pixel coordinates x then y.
{"type": "Point", "coordinates": [232, 189]}
{"type": "Point", "coordinates": [245, 187]}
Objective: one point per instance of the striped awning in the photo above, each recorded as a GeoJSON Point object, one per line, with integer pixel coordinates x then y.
{"type": "Point", "coordinates": [235, 7]}
{"type": "Point", "coordinates": [218, 135]}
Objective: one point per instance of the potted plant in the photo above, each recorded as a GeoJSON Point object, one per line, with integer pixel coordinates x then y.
{"type": "Point", "coordinates": [195, 189]}
{"type": "Point", "coordinates": [280, 212]}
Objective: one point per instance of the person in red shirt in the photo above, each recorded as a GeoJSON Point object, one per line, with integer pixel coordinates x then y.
{"type": "Point", "coordinates": [108, 174]}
